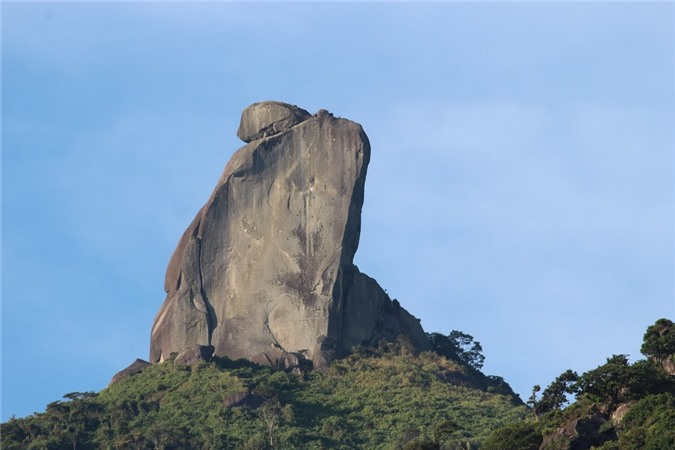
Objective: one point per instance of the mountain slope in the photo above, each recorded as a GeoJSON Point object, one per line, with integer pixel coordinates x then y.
{"type": "Point", "coordinates": [619, 405]}
{"type": "Point", "coordinates": [374, 399]}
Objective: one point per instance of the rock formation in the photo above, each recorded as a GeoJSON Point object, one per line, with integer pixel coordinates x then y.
{"type": "Point", "coordinates": [244, 399]}
{"type": "Point", "coordinates": [280, 359]}
{"type": "Point", "coordinates": [194, 355]}
{"type": "Point", "coordinates": [267, 263]}
{"type": "Point", "coordinates": [133, 369]}
{"type": "Point", "coordinates": [668, 364]}
{"type": "Point", "coordinates": [588, 431]}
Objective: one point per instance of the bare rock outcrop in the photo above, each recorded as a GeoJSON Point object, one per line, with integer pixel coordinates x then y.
{"type": "Point", "coordinates": [267, 118]}
{"type": "Point", "coordinates": [133, 368]}
{"type": "Point", "coordinates": [194, 355]}
{"type": "Point", "coordinates": [268, 260]}
{"type": "Point", "coordinates": [668, 364]}
{"type": "Point", "coordinates": [244, 399]}
{"type": "Point", "coordinates": [280, 359]}
{"type": "Point", "coordinates": [580, 434]}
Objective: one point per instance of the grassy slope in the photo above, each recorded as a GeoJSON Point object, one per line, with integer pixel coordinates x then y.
{"type": "Point", "coordinates": [374, 401]}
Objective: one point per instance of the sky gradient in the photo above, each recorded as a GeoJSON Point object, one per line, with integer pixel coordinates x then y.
{"type": "Point", "coordinates": [520, 186]}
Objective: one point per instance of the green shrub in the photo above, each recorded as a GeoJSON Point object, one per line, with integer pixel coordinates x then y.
{"type": "Point", "coordinates": [649, 424]}
{"type": "Point", "coordinates": [366, 402]}
{"type": "Point", "coordinates": [517, 436]}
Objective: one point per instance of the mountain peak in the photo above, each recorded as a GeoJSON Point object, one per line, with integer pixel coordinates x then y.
{"type": "Point", "coordinates": [268, 260]}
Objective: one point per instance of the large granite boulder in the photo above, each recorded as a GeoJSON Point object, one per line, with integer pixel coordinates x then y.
{"type": "Point", "coordinates": [280, 359]}
{"type": "Point", "coordinates": [267, 118]}
{"type": "Point", "coordinates": [133, 369]}
{"type": "Point", "coordinates": [244, 399]}
{"type": "Point", "coordinates": [268, 260]}
{"type": "Point", "coordinates": [668, 364]}
{"type": "Point", "coordinates": [194, 355]}
{"type": "Point", "coordinates": [581, 433]}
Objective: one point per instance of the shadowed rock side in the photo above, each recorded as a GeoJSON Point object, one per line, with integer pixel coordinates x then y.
{"type": "Point", "coordinates": [268, 260]}
{"type": "Point", "coordinates": [133, 369]}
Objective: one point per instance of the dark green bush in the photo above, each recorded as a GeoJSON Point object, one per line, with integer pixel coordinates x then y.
{"type": "Point", "coordinates": [366, 402]}
{"type": "Point", "coordinates": [517, 436]}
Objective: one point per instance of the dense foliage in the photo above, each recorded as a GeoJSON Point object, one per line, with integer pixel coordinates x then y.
{"type": "Point", "coordinates": [383, 398]}
{"type": "Point", "coordinates": [555, 395]}
{"type": "Point", "coordinates": [659, 340]}
{"type": "Point", "coordinates": [619, 405]}
{"type": "Point", "coordinates": [516, 436]}
{"type": "Point", "coordinates": [648, 425]}
{"type": "Point", "coordinates": [458, 346]}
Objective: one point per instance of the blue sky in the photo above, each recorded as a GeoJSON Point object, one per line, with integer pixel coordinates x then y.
{"type": "Point", "coordinates": [520, 186]}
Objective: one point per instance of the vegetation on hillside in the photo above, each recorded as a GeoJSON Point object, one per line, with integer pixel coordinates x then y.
{"type": "Point", "coordinates": [387, 397]}
{"type": "Point", "coordinates": [618, 405]}
{"type": "Point", "coordinates": [381, 398]}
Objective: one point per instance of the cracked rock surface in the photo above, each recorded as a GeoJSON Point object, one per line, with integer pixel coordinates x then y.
{"type": "Point", "coordinates": [267, 263]}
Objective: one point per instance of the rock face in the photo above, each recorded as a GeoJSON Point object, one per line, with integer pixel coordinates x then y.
{"type": "Point", "coordinates": [267, 118]}
{"type": "Point", "coordinates": [194, 355]}
{"type": "Point", "coordinates": [133, 368]}
{"type": "Point", "coordinates": [268, 260]}
{"type": "Point", "coordinates": [279, 359]}
{"type": "Point", "coordinates": [244, 399]}
{"type": "Point", "coordinates": [580, 434]}
{"type": "Point", "coordinates": [620, 412]}
{"type": "Point", "coordinates": [668, 364]}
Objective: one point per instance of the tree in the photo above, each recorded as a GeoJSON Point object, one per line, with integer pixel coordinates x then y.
{"type": "Point", "coordinates": [515, 436]}
{"type": "Point", "coordinates": [532, 401]}
{"type": "Point", "coordinates": [166, 435]}
{"type": "Point", "coordinates": [646, 377]}
{"type": "Point", "coordinates": [442, 345]}
{"type": "Point", "coordinates": [443, 430]}
{"type": "Point", "coordinates": [458, 346]}
{"type": "Point", "coordinates": [659, 340]}
{"type": "Point", "coordinates": [649, 424]}
{"type": "Point", "coordinates": [606, 383]}
{"type": "Point", "coordinates": [271, 413]}
{"type": "Point", "coordinates": [555, 395]}
{"type": "Point", "coordinates": [469, 351]}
